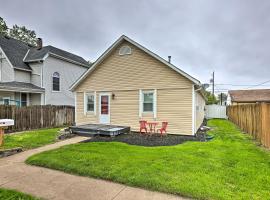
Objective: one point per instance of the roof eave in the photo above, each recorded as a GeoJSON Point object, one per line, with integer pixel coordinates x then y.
{"type": "Point", "coordinates": [111, 48]}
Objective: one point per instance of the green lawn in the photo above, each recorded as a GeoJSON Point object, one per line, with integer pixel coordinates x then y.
{"type": "Point", "coordinates": [30, 139]}
{"type": "Point", "coordinates": [14, 195]}
{"type": "Point", "coordinates": [230, 166]}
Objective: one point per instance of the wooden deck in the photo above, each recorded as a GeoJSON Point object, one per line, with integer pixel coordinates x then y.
{"type": "Point", "coordinates": [99, 129]}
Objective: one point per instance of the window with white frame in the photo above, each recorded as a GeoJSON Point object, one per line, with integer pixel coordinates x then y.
{"type": "Point", "coordinates": [148, 101]}
{"type": "Point", "coordinates": [125, 50]}
{"type": "Point", "coordinates": [89, 102]}
{"type": "Point", "coordinates": [56, 81]}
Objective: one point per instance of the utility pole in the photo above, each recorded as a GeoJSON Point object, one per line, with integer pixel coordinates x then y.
{"type": "Point", "coordinates": [213, 83]}
{"type": "Point", "coordinates": [221, 98]}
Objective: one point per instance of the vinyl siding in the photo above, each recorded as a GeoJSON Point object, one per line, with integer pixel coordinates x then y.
{"type": "Point", "coordinates": [36, 73]}
{"type": "Point", "coordinates": [173, 105]}
{"type": "Point", "coordinates": [22, 76]}
{"type": "Point", "coordinates": [125, 76]}
{"type": "Point", "coordinates": [200, 105]}
{"type": "Point", "coordinates": [135, 71]}
{"type": "Point", "coordinates": [69, 73]}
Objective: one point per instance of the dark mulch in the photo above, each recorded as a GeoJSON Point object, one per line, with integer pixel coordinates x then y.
{"type": "Point", "coordinates": [153, 140]}
{"type": "Point", "coordinates": [146, 140]}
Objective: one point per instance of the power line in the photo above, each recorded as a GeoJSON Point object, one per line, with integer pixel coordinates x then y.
{"type": "Point", "coordinates": [259, 84]}
{"type": "Point", "coordinates": [235, 84]}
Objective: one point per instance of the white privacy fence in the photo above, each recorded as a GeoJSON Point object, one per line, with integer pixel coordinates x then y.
{"type": "Point", "coordinates": [215, 111]}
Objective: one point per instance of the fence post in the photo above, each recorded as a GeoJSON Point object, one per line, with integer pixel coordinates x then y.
{"type": "Point", "coordinates": [264, 124]}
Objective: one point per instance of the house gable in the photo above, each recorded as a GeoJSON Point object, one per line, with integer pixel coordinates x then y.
{"type": "Point", "coordinates": [137, 70]}
{"type": "Point", "coordinates": [145, 50]}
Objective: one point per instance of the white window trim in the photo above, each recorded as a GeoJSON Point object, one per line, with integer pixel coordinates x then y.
{"type": "Point", "coordinates": [141, 92]}
{"type": "Point", "coordinates": [85, 103]}
{"type": "Point", "coordinates": [122, 54]}
{"type": "Point", "coordinates": [75, 106]}
{"type": "Point", "coordinates": [8, 98]}
{"type": "Point", "coordinates": [59, 83]}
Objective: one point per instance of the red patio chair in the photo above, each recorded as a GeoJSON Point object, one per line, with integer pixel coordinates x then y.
{"type": "Point", "coordinates": [163, 128]}
{"type": "Point", "coordinates": [143, 126]}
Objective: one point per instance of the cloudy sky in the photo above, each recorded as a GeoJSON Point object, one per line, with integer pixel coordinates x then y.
{"type": "Point", "coordinates": [230, 37]}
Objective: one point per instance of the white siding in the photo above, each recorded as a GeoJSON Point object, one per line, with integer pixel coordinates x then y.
{"type": "Point", "coordinates": [35, 99]}
{"type": "Point", "coordinates": [36, 73]}
{"type": "Point", "coordinates": [6, 70]}
{"type": "Point", "coordinates": [69, 73]}
{"type": "Point", "coordinates": [22, 76]}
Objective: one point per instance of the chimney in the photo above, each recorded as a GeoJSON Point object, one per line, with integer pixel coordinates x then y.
{"type": "Point", "coordinates": [39, 43]}
{"type": "Point", "coordinates": [169, 59]}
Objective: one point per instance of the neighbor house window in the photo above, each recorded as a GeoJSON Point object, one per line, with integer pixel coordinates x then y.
{"type": "Point", "coordinates": [89, 102]}
{"type": "Point", "coordinates": [148, 101]}
{"type": "Point", "coordinates": [56, 81]}
{"type": "Point", "coordinates": [6, 100]}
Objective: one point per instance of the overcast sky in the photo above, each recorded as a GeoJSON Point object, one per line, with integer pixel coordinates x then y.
{"type": "Point", "coordinates": [230, 37]}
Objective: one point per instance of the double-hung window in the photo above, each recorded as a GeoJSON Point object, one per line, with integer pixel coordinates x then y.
{"type": "Point", "coordinates": [89, 105]}
{"type": "Point", "coordinates": [56, 81]}
{"type": "Point", "coordinates": [148, 101]}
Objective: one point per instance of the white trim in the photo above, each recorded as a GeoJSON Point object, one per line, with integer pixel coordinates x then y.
{"type": "Point", "coordinates": [8, 98]}
{"type": "Point", "coordinates": [141, 99]}
{"type": "Point", "coordinates": [193, 110]}
{"type": "Point", "coordinates": [6, 57]}
{"type": "Point", "coordinates": [41, 75]}
{"type": "Point", "coordinates": [85, 102]}
{"type": "Point", "coordinates": [155, 104]}
{"type": "Point", "coordinates": [17, 68]}
{"type": "Point", "coordinates": [21, 90]}
{"type": "Point", "coordinates": [57, 56]}
{"type": "Point", "coordinates": [95, 105]}
{"type": "Point", "coordinates": [109, 105]}
{"type": "Point", "coordinates": [140, 103]}
{"type": "Point", "coordinates": [112, 47]}
{"type": "Point", "coordinates": [75, 106]}
{"type": "Point", "coordinates": [59, 82]}
{"type": "Point", "coordinates": [26, 55]}
{"type": "Point", "coordinates": [128, 53]}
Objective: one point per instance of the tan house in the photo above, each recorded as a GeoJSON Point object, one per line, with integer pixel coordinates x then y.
{"type": "Point", "coordinates": [128, 83]}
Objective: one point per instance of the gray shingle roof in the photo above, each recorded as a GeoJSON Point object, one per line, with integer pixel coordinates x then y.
{"type": "Point", "coordinates": [20, 86]}
{"type": "Point", "coordinates": [16, 52]}
{"type": "Point", "coordinates": [35, 54]}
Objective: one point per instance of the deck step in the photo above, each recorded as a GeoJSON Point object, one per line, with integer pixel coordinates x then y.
{"type": "Point", "coordinates": [99, 129]}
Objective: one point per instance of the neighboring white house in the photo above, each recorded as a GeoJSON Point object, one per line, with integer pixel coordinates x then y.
{"type": "Point", "coordinates": [37, 75]}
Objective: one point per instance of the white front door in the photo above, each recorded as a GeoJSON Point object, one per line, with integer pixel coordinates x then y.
{"type": "Point", "coordinates": [104, 108]}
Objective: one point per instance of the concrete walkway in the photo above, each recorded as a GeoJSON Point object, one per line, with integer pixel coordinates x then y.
{"type": "Point", "coordinates": [56, 185]}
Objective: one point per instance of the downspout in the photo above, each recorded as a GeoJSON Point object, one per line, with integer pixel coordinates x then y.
{"type": "Point", "coordinates": [193, 111]}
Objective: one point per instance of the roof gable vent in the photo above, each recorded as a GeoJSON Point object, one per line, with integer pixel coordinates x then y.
{"type": "Point", "coordinates": [125, 50]}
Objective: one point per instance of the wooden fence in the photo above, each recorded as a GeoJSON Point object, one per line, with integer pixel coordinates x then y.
{"type": "Point", "coordinates": [253, 119]}
{"type": "Point", "coordinates": [35, 117]}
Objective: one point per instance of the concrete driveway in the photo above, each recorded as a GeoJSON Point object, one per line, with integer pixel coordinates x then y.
{"type": "Point", "coordinates": [56, 185]}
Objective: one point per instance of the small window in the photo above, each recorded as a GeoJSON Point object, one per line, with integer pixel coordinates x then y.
{"type": "Point", "coordinates": [125, 50]}
{"type": "Point", "coordinates": [90, 102]}
{"type": "Point", "coordinates": [56, 81]}
{"type": "Point", "coordinates": [148, 101]}
{"type": "Point", "coordinates": [6, 100]}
